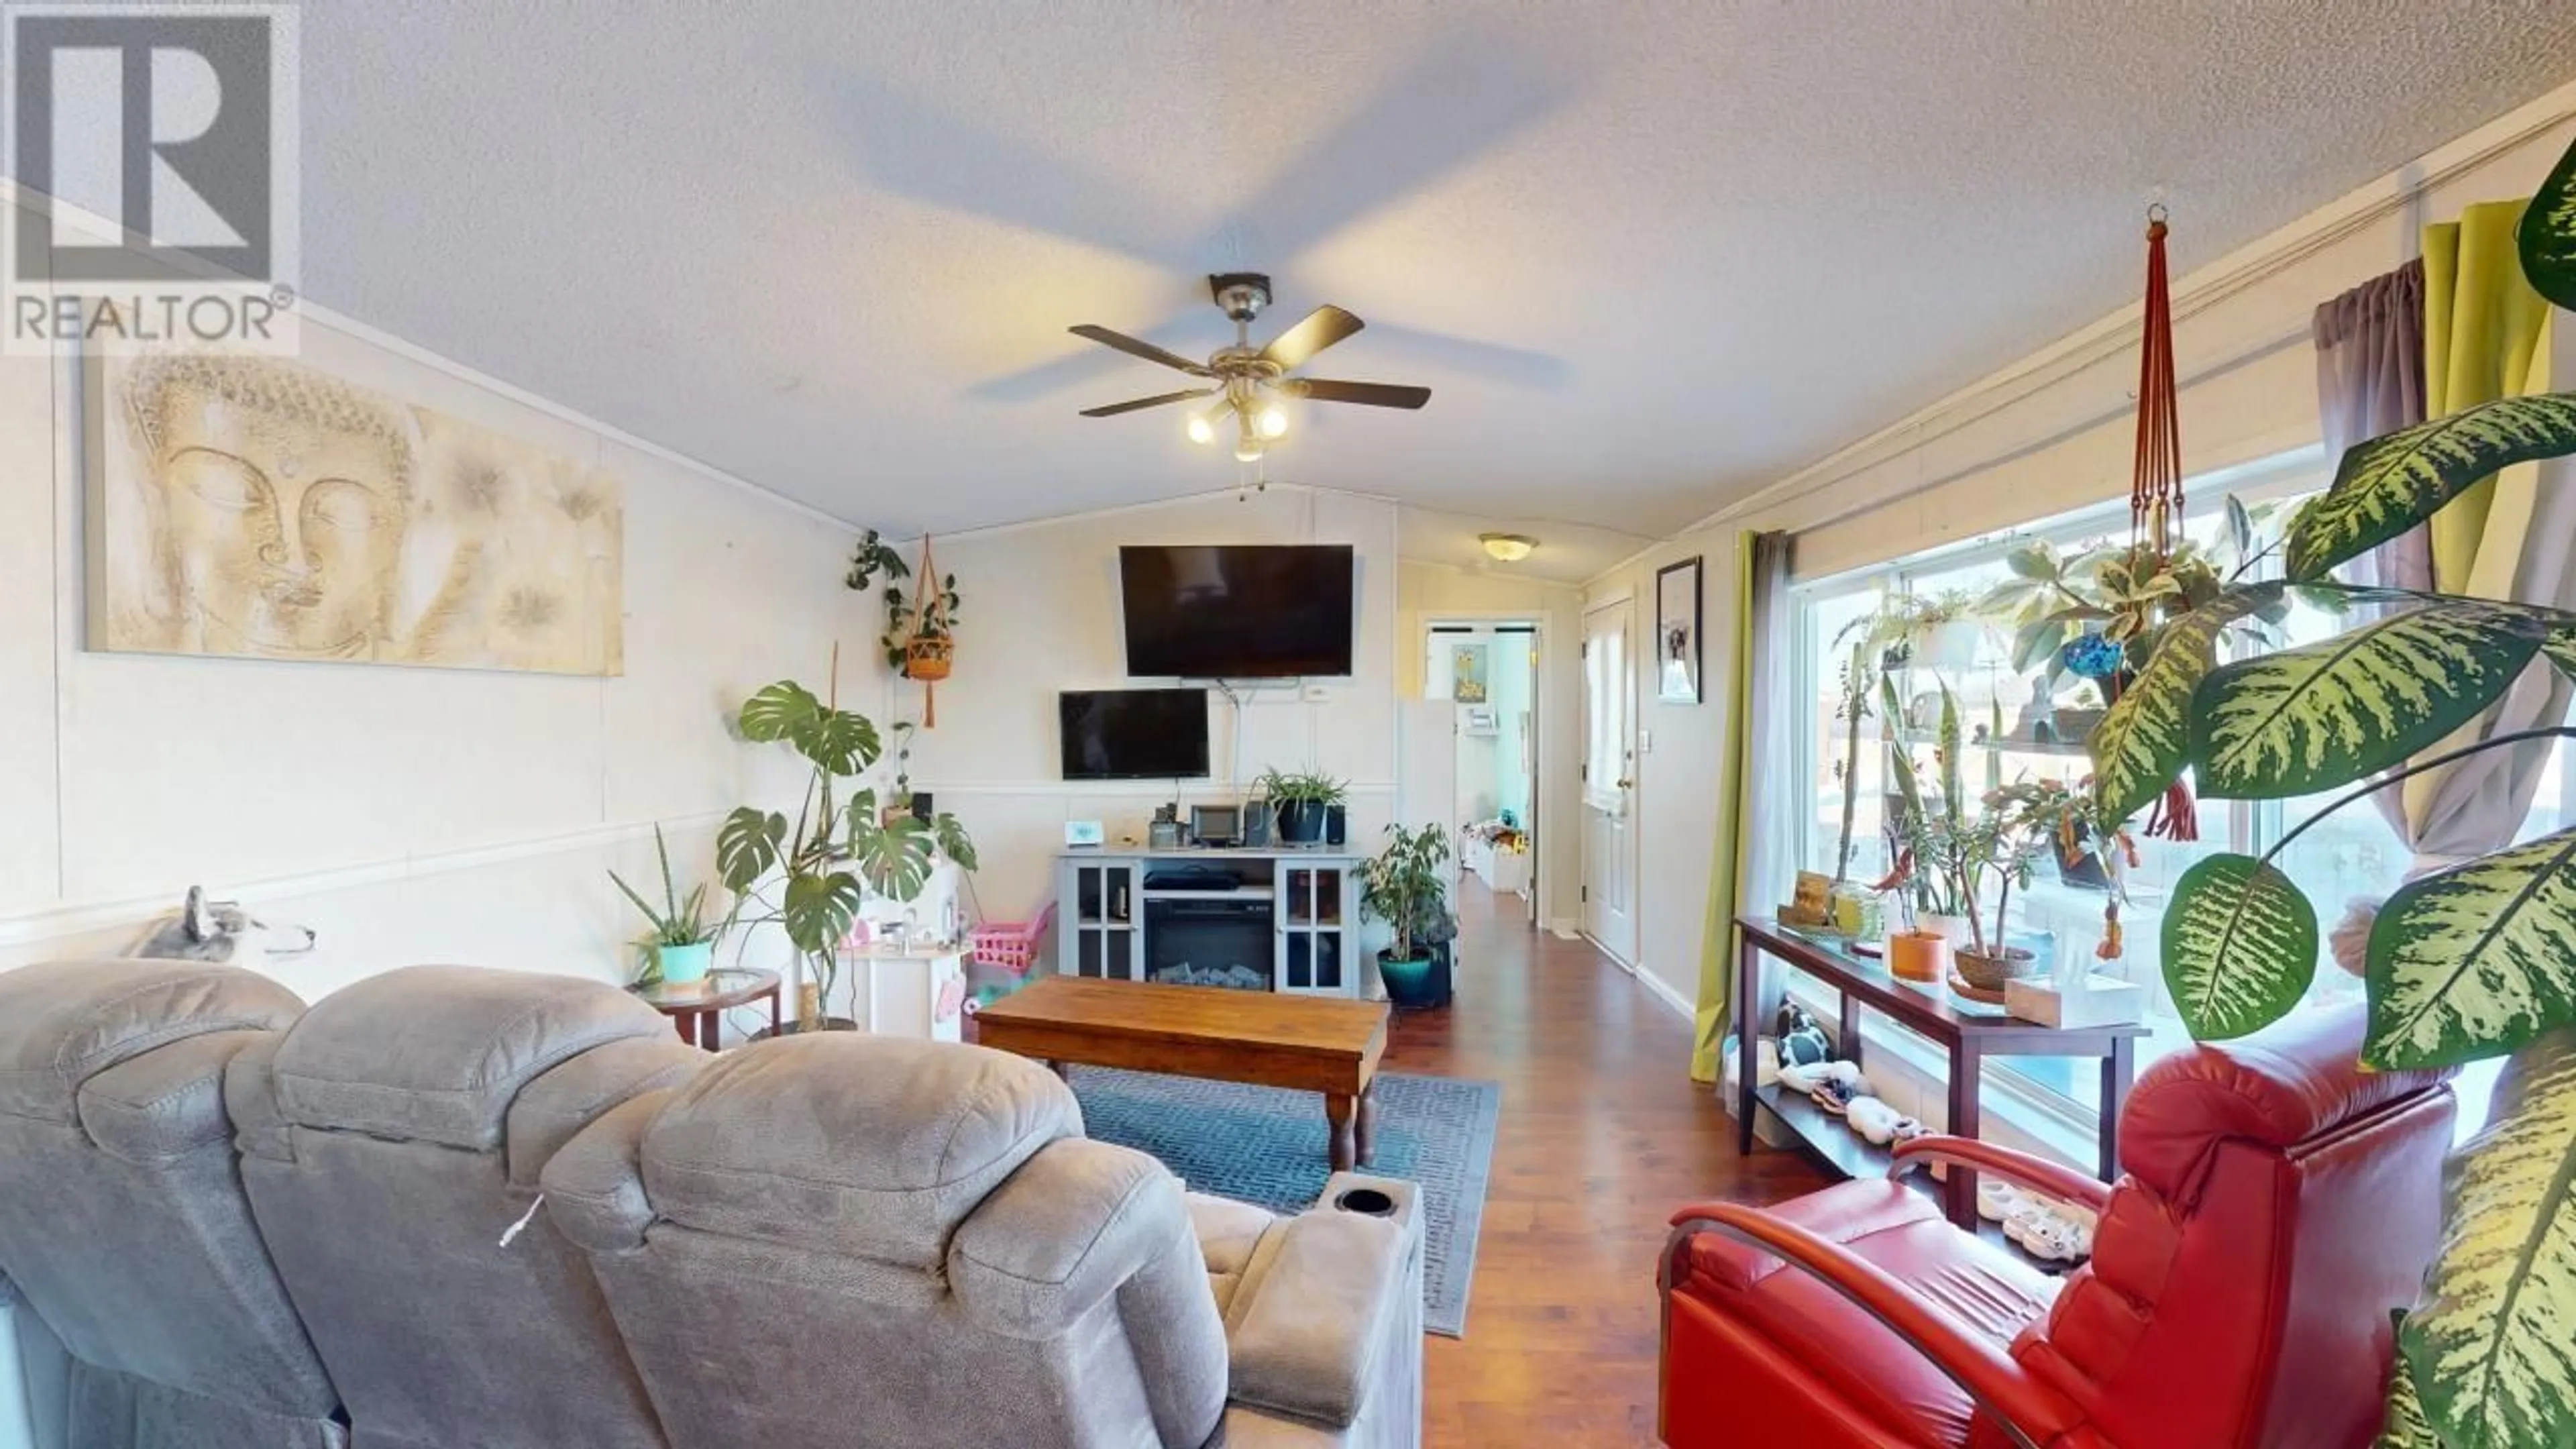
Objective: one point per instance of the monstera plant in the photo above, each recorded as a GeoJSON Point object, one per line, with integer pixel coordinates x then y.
{"type": "Point", "coordinates": [811, 879]}
{"type": "Point", "coordinates": [2475, 961]}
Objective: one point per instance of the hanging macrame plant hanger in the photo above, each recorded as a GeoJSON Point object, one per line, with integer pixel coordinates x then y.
{"type": "Point", "coordinates": [930, 646]}
{"type": "Point", "coordinates": [2155, 486]}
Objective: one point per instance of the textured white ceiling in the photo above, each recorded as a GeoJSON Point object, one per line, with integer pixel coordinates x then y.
{"type": "Point", "coordinates": [1648, 256]}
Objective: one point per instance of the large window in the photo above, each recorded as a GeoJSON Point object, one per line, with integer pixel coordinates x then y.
{"type": "Point", "coordinates": [2353, 854]}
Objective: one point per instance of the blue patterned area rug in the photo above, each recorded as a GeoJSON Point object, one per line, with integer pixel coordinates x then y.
{"type": "Point", "coordinates": [1266, 1145]}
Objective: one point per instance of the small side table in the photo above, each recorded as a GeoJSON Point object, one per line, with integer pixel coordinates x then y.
{"type": "Point", "coordinates": [698, 1015]}
{"type": "Point", "coordinates": [916, 990]}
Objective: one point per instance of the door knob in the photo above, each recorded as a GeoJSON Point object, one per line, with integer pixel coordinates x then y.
{"type": "Point", "coordinates": [1625, 783]}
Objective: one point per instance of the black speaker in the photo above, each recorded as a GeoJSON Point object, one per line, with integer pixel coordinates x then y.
{"type": "Point", "coordinates": [1256, 824]}
{"type": "Point", "coordinates": [1337, 825]}
{"type": "Point", "coordinates": [921, 806]}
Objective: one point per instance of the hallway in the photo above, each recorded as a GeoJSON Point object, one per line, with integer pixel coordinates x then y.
{"type": "Point", "coordinates": [1602, 1135]}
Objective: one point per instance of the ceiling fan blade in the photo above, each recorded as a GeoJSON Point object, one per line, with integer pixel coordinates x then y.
{"type": "Point", "coordinates": [1114, 409]}
{"type": "Point", "coordinates": [1373, 394]}
{"type": "Point", "coordinates": [1134, 348]}
{"type": "Point", "coordinates": [1320, 329]}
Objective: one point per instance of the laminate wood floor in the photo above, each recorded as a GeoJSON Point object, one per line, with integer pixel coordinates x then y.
{"type": "Point", "coordinates": [1602, 1135]}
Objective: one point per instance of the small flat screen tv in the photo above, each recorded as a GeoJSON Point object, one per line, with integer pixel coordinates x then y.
{"type": "Point", "coordinates": [1237, 611]}
{"type": "Point", "coordinates": [1134, 734]}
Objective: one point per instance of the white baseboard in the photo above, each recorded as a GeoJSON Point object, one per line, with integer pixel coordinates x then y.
{"type": "Point", "coordinates": [1662, 991]}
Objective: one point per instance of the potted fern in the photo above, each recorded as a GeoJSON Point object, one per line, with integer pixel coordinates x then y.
{"type": "Point", "coordinates": [1404, 886]}
{"type": "Point", "coordinates": [2468, 962]}
{"type": "Point", "coordinates": [679, 946]}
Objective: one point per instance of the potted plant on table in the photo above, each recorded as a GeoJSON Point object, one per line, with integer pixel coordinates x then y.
{"type": "Point", "coordinates": [1304, 803]}
{"type": "Point", "coordinates": [1850, 908]}
{"type": "Point", "coordinates": [1404, 886]}
{"type": "Point", "coordinates": [2002, 842]}
{"type": "Point", "coordinates": [812, 879]}
{"type": "Point", "coordinates": [1925, 827]}
{"type": "Point", "coordinates": [2467, 962]}
{"type": "Point", "coordinates": [680, 945]}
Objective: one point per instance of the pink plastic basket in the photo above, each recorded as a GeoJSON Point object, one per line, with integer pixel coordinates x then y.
{"type": "Point", "coordinates": [1012, 946]}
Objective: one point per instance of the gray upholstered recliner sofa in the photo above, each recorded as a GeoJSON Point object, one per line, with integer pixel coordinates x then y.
{"type": "Point", "coordinates": [391, 1139]}
{"type": "Point", "coordinates": [909, 1243]}
{"type": "Point", "coordinates": [829, 1241]}
{"type": "Point", "coordinates": [122, 1218]}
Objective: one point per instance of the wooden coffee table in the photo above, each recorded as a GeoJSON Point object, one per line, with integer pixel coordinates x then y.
{"type": "Point", "coordinates": [1311, 1044]}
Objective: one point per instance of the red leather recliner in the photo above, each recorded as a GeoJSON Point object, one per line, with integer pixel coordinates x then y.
{"type": "Point", "coordinates": [2278, 1201]}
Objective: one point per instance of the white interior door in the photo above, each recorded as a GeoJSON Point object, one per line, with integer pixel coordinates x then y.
{"type": "Point", "coordinates": [1426, 790]}
{"type": "Point", "coordinates": [1609, 780]}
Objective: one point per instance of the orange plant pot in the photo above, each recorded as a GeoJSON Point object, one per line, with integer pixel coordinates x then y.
{"type": "Point", "coordinates": [1918, 956]}
{"type": "Point", "coordinates": [929, 659]}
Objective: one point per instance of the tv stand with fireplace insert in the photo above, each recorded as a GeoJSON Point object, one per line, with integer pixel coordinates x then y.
{"type": "Point", "coordinates": [1256, 920]}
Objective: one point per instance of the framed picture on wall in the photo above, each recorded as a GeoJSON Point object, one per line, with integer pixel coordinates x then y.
{"type": "Point", "coordinates": [1467, 680]}
{"type": "Point", "coordinates": [1677, 646]}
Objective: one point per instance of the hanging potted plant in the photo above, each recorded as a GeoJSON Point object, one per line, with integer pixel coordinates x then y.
{"type": "Point", "coordinates": [1938, 631]}
{"type": "Point", "coordinates": [679, 947]}
{"type": "Point", "coordinates": [920, 639]}
{"type": "Point", "coordinates": [1404, 886]}
{"type": "Point", "coordinates": [2461, 964]}
{"type": "Point", "coordinates": [2061, 816]}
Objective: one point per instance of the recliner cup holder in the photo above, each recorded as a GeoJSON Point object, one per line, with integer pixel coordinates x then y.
{"type": "Point", "coordinates": [1367, 1202]}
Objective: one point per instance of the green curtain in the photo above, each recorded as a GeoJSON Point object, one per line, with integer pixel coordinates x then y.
{"type": "Point", "coordinates": [1761, 582]}
{"type": "Point", "coordinates": [2485, 337]}
{"type": "Point", "coordinates": [2488, 335]}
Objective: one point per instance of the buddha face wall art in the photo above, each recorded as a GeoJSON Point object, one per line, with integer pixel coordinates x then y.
{"type": "Point", "coordinates": [257, 507]}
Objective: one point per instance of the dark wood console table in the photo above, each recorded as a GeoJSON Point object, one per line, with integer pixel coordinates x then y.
{"type": "Point", "coordinates": [1969, 1031]}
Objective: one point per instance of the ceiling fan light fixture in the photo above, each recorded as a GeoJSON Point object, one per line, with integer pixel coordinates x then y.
{"type": "Point", "coordinates": [1508, 547]}
{"type": "Point", "coordinates": [1201, 430]}
{"type": "Point", "coordinates": [1274, 421]}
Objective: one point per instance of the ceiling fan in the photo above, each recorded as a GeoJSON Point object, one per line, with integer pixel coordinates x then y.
{"type": "Point", "coordinates": [1251, 380]}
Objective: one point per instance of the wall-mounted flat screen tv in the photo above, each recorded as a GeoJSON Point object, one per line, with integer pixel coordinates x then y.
{"type": "Point", "coordinates": [1237, 611]}
{"type": "Point", "coordinates": [1134, 734]}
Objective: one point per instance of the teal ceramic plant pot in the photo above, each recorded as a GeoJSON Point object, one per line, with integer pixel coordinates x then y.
{"type": "Point", "coordinates": [1421, 982]}
{"type": "Point", "coordinates": [685, 966]}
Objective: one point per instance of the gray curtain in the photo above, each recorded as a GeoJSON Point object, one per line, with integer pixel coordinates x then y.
{"type": "Point", "coordinates": [2370, 380]}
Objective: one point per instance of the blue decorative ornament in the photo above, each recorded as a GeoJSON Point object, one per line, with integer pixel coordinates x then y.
{"type": "Point", "coordinates": [2092, 657]}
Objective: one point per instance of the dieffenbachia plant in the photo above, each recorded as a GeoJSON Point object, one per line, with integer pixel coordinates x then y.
{"type": "Point", "coordinates": [2475, 961]}
{"type": "Point", "coordinates": [812, 879]}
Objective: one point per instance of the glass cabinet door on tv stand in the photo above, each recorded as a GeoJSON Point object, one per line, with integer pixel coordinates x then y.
{"type": "Point", "coordinates": [1098, 918]}
{"type": "Point", "coordinates": [1317, 911]}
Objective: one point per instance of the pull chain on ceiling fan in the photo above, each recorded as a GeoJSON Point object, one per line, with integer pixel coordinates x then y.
{"type": "Point", "coordinates": [1250, 381]}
